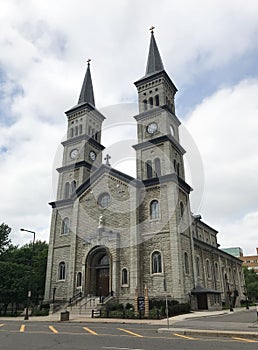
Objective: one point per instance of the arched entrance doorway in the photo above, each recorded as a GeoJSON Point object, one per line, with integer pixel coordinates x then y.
{"type": "Point", "coordinates": [98, 272]}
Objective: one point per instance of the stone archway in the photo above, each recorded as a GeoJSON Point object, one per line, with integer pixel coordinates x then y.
{"type": "Point", "coordinates": [98, 276]}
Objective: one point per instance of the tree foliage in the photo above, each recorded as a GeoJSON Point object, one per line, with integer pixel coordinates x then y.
{"type": "Point", "coordinates": [251, 280]}
{"type": "Point", "coordinates": [21, 269]}
{"type": "Point", "coordinates": [5, 241]}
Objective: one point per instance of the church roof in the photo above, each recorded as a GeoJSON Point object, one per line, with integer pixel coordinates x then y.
{"type": "Point", "coordinates": [87, 94]}
{"type": "Point", "coordinates": [154, 63]}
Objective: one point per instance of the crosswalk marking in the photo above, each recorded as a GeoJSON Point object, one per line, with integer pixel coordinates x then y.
{"type": "Point", "coordinates": [53, 329]}
{"type": "Point", "coordinates": [22, 328]}
{"type": "Point", "coordinates": [183, 336]}
{"type": "Point", "coordinates": [90, 330]}
{"type": "Point", "coordinates": [131, 333]}
{"type": "Point", "coordinates": [245, 340]}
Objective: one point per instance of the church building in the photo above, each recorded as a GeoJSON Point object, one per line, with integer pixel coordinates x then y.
{"type": "Point", "coordinates": [114, 236]}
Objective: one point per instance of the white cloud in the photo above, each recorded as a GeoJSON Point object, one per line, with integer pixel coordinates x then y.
{"type": "Point", "coordinates": [225, 127]}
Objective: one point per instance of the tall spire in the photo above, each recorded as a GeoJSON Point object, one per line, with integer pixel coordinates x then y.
{"type": "Point", "coordinates": [154, 63]}
{"type": "Point", "coordinates": [87, 94]}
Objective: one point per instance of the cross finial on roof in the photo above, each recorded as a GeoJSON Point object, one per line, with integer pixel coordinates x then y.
{"type": "Point", "coordinates": [89, 61]}
{"type": "Point", "coordinates": [152, 29]}
{"type": "Point", "coordinates": [107, 159]}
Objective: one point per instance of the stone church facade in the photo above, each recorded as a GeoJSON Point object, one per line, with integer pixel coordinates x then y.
{"type": "Point", "coordinates": [115, 236]}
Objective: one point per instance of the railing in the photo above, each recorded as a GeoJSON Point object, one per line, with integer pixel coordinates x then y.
{"type": "Point", "coordinates": [76, 298]}
{"type": "Point", "coordinates": [91, 302]}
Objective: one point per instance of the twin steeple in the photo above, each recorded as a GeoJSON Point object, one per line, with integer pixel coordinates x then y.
{"type": "Point", "coordinates": [154, 63]}
{"type": "Point", "coordinates": [87, 94]}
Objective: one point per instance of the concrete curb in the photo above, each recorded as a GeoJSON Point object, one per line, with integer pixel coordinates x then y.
{"type": "Point", "coordinates": [209, 332]}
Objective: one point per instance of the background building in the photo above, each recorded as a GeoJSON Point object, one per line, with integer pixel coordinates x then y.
{"type": "Point", "coordinates": [114, 236]}
{"type": "Point", "coordinates": [235, 251]}
{"type": "Point", "coordinates": [251, 261]}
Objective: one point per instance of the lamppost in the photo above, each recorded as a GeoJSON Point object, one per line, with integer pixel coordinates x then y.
{"type": "Point", "coordinates": [26, 317]}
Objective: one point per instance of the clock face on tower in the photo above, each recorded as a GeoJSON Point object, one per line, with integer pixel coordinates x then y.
{"type": "Point", "coordinates": [152, 128]}
{"type": "Point", "coordinates": [74, 153]}
{"type": "Point", "coordinates": [92, 155]}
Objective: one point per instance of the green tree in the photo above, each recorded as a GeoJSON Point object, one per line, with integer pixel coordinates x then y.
{"type": "Point", "coordinates": [21, 269]}
{"type": "Point", "coordinates": [33, 259]}
{"type": "Point", "coordinates": [251, 280]}
{"type": "Point", "coordinates": [5, 242]}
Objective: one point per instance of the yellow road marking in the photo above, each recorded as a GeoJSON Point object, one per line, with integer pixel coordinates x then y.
{"type": "Point", "coordinates": [2, 324]}
{"type": "Point", "coordinates": [184, 336]}
{"type": "Point", "coordinates": [131, 333]}
{"type": "Point", "coordinates": [245, 340]}
{"type": "Point", "coordinates": [90, 330]}
{"type": "Point", "coordinates": [53, 329]}
{"type": "Point", "coordinates": [22, 328]}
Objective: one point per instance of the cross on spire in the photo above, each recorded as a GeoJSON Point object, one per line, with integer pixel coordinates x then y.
{"type": "Point", "coordinates": [89, 61]}
{"type": "Point", "coordinates": [107, 159]}
{"type": "Point", "coordinates": [152, 29]}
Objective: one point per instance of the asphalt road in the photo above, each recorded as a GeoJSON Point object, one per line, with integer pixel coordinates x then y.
{"type": "Point", "coordinates": [17, 335]}
{"type": "Point", "coordinates": [243, 321]}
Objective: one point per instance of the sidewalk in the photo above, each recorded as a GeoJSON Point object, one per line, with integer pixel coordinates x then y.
{"type": "Point", "coordinates": [241, 322]}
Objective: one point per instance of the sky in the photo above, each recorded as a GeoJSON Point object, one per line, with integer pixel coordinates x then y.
{"type": "Point", "coordinates": [209, 49]}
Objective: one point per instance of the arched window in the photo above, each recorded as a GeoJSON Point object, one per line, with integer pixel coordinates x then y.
{"type": "Point", "coordinates": [175, 165]}
{"type": "Point", "coordinates": [61, 271]}
{"type": "Point", "coordinates": [216, 270]}
{"type": "Point", "coordinates": [208, 268]}
{"type": "Point", "coordinates": [71, 132]}
{"type": "Point", "coordinates": [79, 279]}
{"type": "Point", "coordinates": [186, 263]}
{"type": "Point", "coordinates": [89, 130]}
{"type": "Point", "coordinates": [80, 129]}
{"type": "Point", "coordinates": [154, 210]}
{"type": "Point", "coordinates": [76, 130]}
{"type": "Point", "coordinates": [156, 262]}
{"type": "Point", "coordinates": [151, 102]}
{"type": "Point", "coordinates": [149, 169]}
{"type": "Point", "coordinates": [172, 131]}
{"type": "Point", "coordinates": [93, 133]}
{"type": "Point", "coordinates": [73, 186]}
{"type": "Point", "coordinates": [157, 100]}
{"type": "Point", "coordinates": [124, 276]}
{"type": "Point", "coordinates": [182, 208]}
{"type": "Point", "coordinates": [144, 105]}
{"type": "Point", "coordinates": [67, 190]}
{"type": "Point", "coordinates": [157, 167]}
{"type": "Point", "coordinates": [178, 169]}
{"type": "Point", "coordinates": [198, 266]}
{"type": "Point", "coordinates": [65, 226]}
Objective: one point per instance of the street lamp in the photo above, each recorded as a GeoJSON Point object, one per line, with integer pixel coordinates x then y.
{"type": "Point", "coordinates": [26, 317]}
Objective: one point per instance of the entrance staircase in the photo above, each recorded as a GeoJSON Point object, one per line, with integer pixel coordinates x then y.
{"type": "Point", "coordinates": [84, 306]}
{"type": "Point", "coordinates": [80, 305]}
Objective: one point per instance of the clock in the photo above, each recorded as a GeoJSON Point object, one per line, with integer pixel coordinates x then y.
{"type": "Point", "coordinates": [152, 128]}
{"type": "Point", "coordinates": [92, 155]}
{"type": "Point", "coordinates": [74, 153]}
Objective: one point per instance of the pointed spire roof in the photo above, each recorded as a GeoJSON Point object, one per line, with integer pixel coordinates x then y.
{"type": "Point", "coordinates": [154, 63]}
{"type": "Point", "coordinates": [87, 94]}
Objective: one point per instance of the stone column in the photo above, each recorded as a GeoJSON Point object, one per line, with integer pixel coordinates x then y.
{"type": "Point", "coordinates": [136, 311]}
{"type": "Point", "coordinates": [146, 302]}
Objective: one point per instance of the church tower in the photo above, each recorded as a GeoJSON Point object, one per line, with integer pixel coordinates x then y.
{"type": "Point", "coordinates": [164, 209]}
{"type": "Point", "coordinates": [158, 150]}
{"type": "Point", "coordinates": [82, 148]}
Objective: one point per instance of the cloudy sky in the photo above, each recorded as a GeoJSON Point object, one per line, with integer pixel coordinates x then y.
{"type": "Point", "coordinates": [209, 49]}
